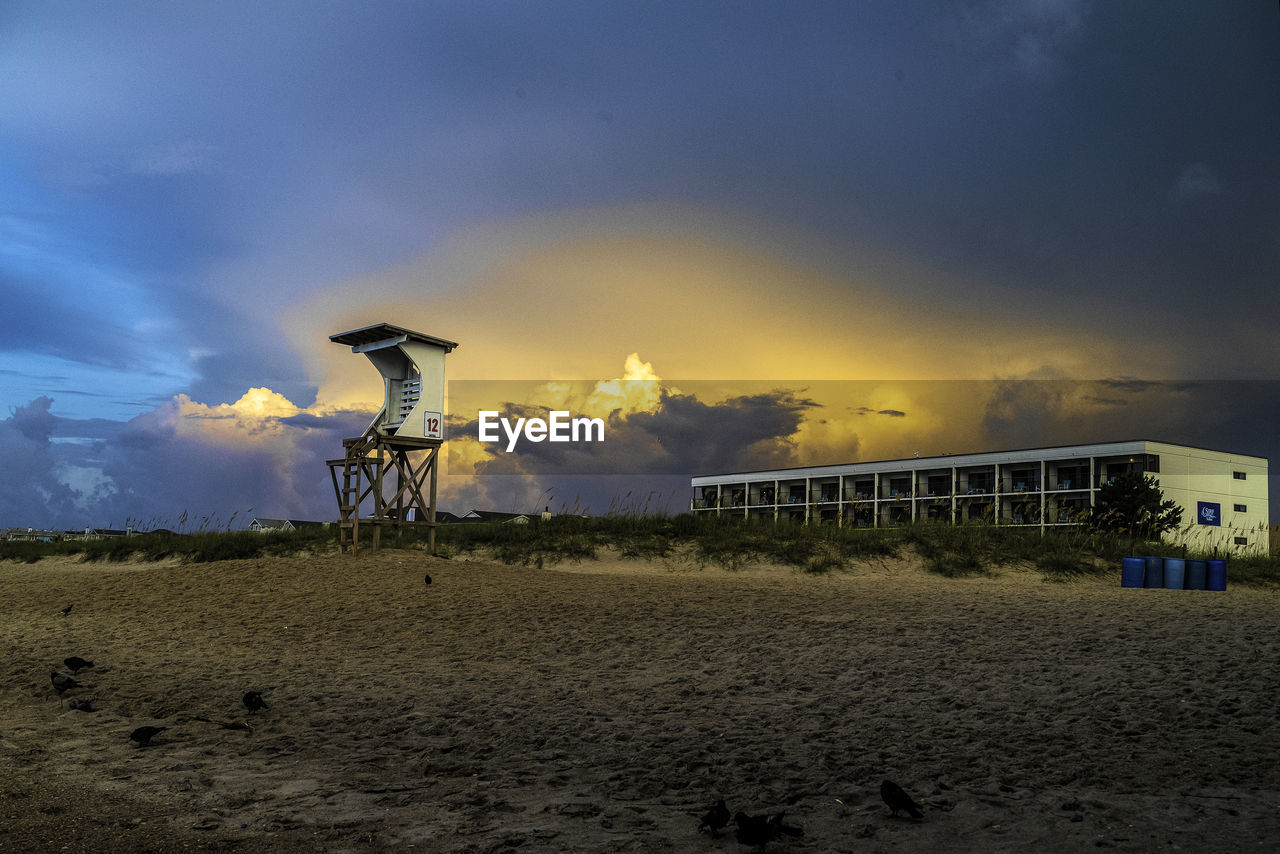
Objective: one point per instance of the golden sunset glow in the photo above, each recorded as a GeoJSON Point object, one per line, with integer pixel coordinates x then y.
{"type": "Point", "coordinates": [543, 301]}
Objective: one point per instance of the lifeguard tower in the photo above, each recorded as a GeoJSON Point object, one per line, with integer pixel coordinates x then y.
{"type": "Point", "coordinates": [396, 457]}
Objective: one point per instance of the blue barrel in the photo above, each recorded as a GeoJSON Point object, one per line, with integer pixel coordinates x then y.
{"type": "Point", "coordinates": [1175, 573]}
{"type": "Point", "coordinates": [1155, 572]}
{"type": "Point", "coordinates": [1217, 575]}
{"type": "Point", "coordinates": [1132, 569]}
{"type": "Point", "coordinates": [1197, 574]}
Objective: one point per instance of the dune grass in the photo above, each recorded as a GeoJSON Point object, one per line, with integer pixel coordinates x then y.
{"type": "Point", "coordinates": [732, 543]}
{"type": "Point", "coordinates": [198, 547]}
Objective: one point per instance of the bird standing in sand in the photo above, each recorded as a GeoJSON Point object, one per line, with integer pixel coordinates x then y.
{"type": "Point", "coordinates": [75, 663]}
{"type": "Point", "coordinates": [253, 701]}
{"type": "Point", "coordinates": [428, 579]}
{"type": "Point", "coordinates": [716, 818]}
{"type": "Point", "coordinates": [67, 610]}
{"type": "Point", "coordinates": [144, 734]}
{"type": "Point", "coordinates": [62, 683]}
{"type": "Point", "coordinates": [897, 799]}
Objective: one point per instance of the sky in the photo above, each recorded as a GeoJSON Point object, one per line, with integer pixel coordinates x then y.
{"type": "Point", "coordinates": [785, 221]}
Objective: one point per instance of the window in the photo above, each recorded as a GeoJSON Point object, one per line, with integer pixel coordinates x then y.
{"type": "Point", "coordinates": [1242, 541]}
{"type": "Point", "coordinates": [1242, 508]}
{"type": "Point", "coordinates": [1153, 463]}
{"type": "Point", "coordinates": [981, 477]}
{"type": "Point", "coordinates": [1238, 475]}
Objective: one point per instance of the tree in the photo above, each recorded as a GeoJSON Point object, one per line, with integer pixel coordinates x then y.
{"type": "Point", "coordinates": [1133, 503]}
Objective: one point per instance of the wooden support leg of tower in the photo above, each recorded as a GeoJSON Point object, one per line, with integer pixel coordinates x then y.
{"type": "Point", "coordinates": [365, 469]}
{"type": "Point", "coordinates": [431, 512]}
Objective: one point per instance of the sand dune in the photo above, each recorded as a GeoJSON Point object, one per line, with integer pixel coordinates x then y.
{"type": "Point", "coordinates": [604, 706]}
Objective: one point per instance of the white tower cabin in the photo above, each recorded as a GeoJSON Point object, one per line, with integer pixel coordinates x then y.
{"type": "Point", "coordinates": [412, 368]}
{"type": "Point", "coordinates": [392, 466]}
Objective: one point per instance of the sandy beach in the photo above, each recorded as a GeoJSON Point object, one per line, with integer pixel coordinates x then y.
{"type": "Point", "coordinates": [604, 706]}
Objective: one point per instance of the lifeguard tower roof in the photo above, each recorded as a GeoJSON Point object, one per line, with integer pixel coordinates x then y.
{"type": "Point", "coordinates": [383, 334]}
{"type": "Point", "coordinates": [412, 368]}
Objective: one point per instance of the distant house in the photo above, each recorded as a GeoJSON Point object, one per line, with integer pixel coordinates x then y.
{"type": "Point", "coordinates": [32, 535]}
{"type": "Point", "coordinates": [496, 516]}
{"type": "Point", "coordinates": [261, 525]}
{"type": "Point", "coordinates": [106, 533]}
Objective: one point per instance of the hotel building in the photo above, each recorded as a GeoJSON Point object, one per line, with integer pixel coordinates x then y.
{"type": "Point", "coordinates": [1223, 496]}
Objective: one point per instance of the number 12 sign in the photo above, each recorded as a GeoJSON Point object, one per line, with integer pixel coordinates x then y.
{"type": "Point", "coordinates": [434, 425]}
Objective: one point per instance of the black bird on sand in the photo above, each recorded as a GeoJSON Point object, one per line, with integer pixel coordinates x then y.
{"type": "Point", "coordinates": [761, 829]}
{"type": "Point", "coordinates": [80, 705]}
{"type": "Point", "coordinates": [144, 734]}
{"type": "Point", "coordinates": [75, 663]}
{"type": "Point", "coordinates": [897, 799]}
{"type": "Point", "coordinates": [253, 701]}
{"type": "Point", "coordinates": [67, 610]}
{"type": "Point", "coordinates": [716, 818]}
{"type": "Point", "coordinates": [428, 579]}
{"type": "Point", "coordinates": [62, 683]}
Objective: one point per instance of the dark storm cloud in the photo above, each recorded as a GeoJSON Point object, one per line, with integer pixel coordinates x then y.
{"type": "Point", "coordinates": [87, 428]}
{"type": "Point", "coordinates": [1235, 415]}
{"type": "Point", "coordinates": [867, 410]}
{"type": "Point", "coordinates": [33, 497]}
{"type": "Point", "coordinates": [681, 437]}
{"type": "Point", "coordinates": [1139, 386]}
{"type": "Point", "coordinates": [69, 473]}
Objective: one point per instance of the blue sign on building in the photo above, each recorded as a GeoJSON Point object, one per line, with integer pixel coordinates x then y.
{"type": "Point", "coordinates": [1208, 514]}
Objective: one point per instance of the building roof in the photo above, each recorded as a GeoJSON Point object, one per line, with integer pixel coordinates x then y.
{"type": "Point", "coordinates": [264, 522]}
{"type": "Point", "coordinates": [385, 332]}
{"type": "Point", "coordinates": [492, 516]}
{"type": "Point", "coordinates": [1128, 445]}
